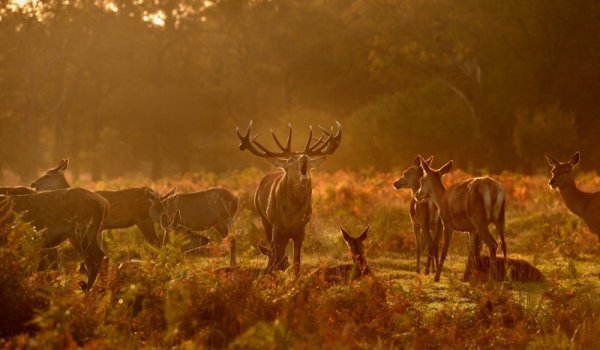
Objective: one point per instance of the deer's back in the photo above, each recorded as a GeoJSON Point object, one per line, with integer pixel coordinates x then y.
{"type": "Point", "coordinates": [126, 206]}
{"type": "Point", "coordinates": [61, 207]}
{"type": "Point", "coordinates": [467, 199]}
{"type": "Point", "coordinates": [203, 209]}
{"type": "Point", "coordinates": [16, 191]}
{"type": "Point", "coordinates": [592, 213]}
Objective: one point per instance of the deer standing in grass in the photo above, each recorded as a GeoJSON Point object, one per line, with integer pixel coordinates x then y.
{"type": "Point", "coordinates": [423, 215]}
{"type": "Point", "coordinates": [583, 204]}
{"type": "Point", "coordinates": [283, 197]}
{"type": "Point", "coordinates": [74, 214]}
{"type": "Point", "coordinates": [347, 272]}
{"type": "Point", "coordinates": [139, 206]}
{"type": "Point", "coordinates": [468, 206]}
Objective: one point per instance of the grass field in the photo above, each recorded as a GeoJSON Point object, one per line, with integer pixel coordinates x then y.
{"type": "Point", "coordinates": [173, 301]}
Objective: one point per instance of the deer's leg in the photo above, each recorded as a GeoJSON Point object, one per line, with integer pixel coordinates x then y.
{"type": "Point", "coordinates": [278, 246]}
{"type": "Point", "coordinates": [417, 229]}
{"type": "Point", "coordinates": [147, 228]}
{"type": "Point", "coordinates": [223, 230]}
{"type": "Point", "coordinates": [298, 240]}
{"type": "Point", "coordinates": [448, 231]}
{"type": "Point", "coordinates": [88, 249]}
{"type": "Point", "coordinates": [268, 228]}
{"type": "Point", "coordinates": [437, 236]}
{"type": "Point", "coordinates": [429, 244]}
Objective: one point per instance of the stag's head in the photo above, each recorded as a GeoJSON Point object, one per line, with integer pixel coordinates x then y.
{"type": "Point", "coordinates": [296, 164]}
{"type": "Point", "coordinates": [53, 179]}
{"type": "Point", "coordinates": [431, 182]}
{"type": "Point", "coordinates": [562, 173]}
{"type": "Point", "coordinates": [411, 175]}
{"type": "Point", "coordinates": [357, 248]}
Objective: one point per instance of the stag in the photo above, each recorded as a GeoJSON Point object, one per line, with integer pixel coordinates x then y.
{"type": "Point", "coordinates": [585, 205]}
{"type": "Point", "coordinates": [468, 206]}
{"type": "Point", "coordinates": [283, 197]}
{"type": "Point", "coordinates": [139, 206]}
{"type": "Point", "coordinates": [424, 216]}
{"type": "Point", "coordinates": [74, 214]}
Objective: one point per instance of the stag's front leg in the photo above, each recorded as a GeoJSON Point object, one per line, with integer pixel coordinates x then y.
{"type": "Point", "coordinates": [298, 240]}
{"type": "Point", "coordinates": [278, 246]}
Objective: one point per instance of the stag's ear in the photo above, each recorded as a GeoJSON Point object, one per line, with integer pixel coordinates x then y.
{"type": "Point", "coordinates": [446, 168]}
{"type": "Point", "coordinates": [553, 162]}
{"type": "Point", "coordinates": [316, 162]}
{"type": "Point", "coordinates": [575, 159]}
{"type": "Point", "coordinates": [263, 250]}
{"type": "Point", "coordinates": [363, 235]}
{"type": "Point", "coordinates": [278, 163]}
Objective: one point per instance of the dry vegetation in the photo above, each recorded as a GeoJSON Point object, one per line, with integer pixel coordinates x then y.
{"type": "Point", "coordinates": [166, 300]}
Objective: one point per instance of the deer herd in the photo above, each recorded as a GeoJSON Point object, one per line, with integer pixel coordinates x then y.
{"type": "Point", "coordinates": [283, 202]}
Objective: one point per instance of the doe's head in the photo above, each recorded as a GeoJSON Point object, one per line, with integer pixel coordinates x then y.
{"type": "Point", "coordinates": [53, 179]}
{"type": "Point", "coordinates": [561, 173]}
{"type": "Point", "coordinates": [411, 175]}
{"type": "Point", "coordinates": [431, 180]}
{"type": "Point", "coordinates": [357, 248]}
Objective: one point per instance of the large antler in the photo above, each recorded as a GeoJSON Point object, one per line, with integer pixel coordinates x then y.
{"type": "Point", "coordinates": [324, 145]}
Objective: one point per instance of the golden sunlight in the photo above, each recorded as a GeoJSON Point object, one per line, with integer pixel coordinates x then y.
{"type": "Point", "coordinates": [157, 18]}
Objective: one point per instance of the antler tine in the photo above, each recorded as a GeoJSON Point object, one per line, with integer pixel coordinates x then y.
{"type": "Point", "coordinates": [310, 137]}
{"type": "Point", "coordinates": [329, 145]}
{"type": "Point", "coordinates": [277, 140]}
{"type": "Point", "coordinates": [288, 147]}
{"type": "Point", "coordinates": [248, 143]}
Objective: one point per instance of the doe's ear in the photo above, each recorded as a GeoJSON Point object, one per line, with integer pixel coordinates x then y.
{"type": "Point", "coordinates": [168, 194]}
{"type": "Point", "coordinates": [552, 161]}
{"type": "Point", "coordinates": [424, 165]}
{"type": "Point", "coordinates": [349, 240]}
{"type": "Point", "coordinates": [417, 161]}
{"type": "Point", "coordinates": [63, 165]}
{"type": "Point", "coordinates": [429, 160]}
{"type": "Point", "coordinates": [575, 159]}
{"type": "Point", "coordinates": [177, 219]}
{"type": "Point", "coordinates": [363, 235]}
{"type": "Point", "coordinates": [446, 168]}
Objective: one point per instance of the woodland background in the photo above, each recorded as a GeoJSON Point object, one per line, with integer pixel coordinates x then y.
{"type": "Point", "coordinates": [158, 87]}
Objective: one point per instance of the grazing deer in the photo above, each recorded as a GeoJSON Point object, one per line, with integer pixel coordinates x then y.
{"type": "Point", "coordinates": [283, 197]}
{"type": "Point", "coordinates": [139, 206]}
{"type": "Point", "coordinates": [423, 215]}
{"type": "Point", "coordinates": [347, 272]}
{"type": "Point", "coordinates": [583, 204]}
{"type": "Point", "coordinates": [202, 210]}
{"type": "Point", "coordinates": [74, 214]}
{"type": "Point", "coordinates": [516, 270]}
{"type": "Point", "coordinates": [468, 206]}
{"type": "Point", "coordinates": [194, 242]}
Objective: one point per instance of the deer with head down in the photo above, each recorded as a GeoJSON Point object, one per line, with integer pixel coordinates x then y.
{"type": "Point", "coordinates": [74, 214]}
{"type": "Point", "coordinates": [283, 197]}
{"type": "Point", "coordinates": [424, 216]}
{"type": "Point", "coordinates": [586, 205]}
{"type": "Point", "coordinates": [139, 206]}
{"type": "Point", "coordinates": [468, 206]}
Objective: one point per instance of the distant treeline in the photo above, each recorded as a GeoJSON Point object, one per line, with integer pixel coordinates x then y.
{"type": "Point", "coordinates": [128, 86]}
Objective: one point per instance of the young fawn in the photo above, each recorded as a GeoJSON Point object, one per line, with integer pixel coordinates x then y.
{"type": "Point", "coordinates": [347, 272]}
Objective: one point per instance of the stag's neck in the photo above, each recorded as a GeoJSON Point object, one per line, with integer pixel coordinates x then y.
{"type": "Point", "coordinates": [300, 194]}
{"type": "Point", "coordinates": [575, 199]}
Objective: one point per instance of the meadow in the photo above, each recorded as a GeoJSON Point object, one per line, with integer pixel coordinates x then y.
{"type": "Point", "coordinates": [168, 300]}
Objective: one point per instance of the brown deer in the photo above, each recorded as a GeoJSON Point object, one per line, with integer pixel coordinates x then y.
{"type": "Point", "coordinates": [283, 197]}
{"type": "Point", "coordinates": [199, 211]}
{"type": "Point", "coordinates": [139, 206]}
{"type": "Point", "coordinates": [468, 206]}
{"type": "Point", "coordinates": [13, 191]}
{"type": "Point", "coordinates": [423, 215]}
{"type": "Point", "coordinates": [583, 204]}
{"type": "Point", "coordinates": [74, 214]}
{"type": "Point", "coordinates": [347, 272]}
{"type": "Point", "coordinates": [482, 268]}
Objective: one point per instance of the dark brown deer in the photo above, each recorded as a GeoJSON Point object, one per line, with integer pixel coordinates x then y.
{"type": "Point", "coordinates": [423, 215]}
{"type": "Point", "coordinates": [212, 208]}
{"type": "Point", "coordinates": [139, 206]}
{"type": "Point", "coordinates": [586, 205]}
{"type": "Point", "coordinates": [347, 272]}
{"type": "Point", "coordinates": [482, 268]}
{"type": "Point", "coordinates": [283, 197]}
{"type": "Point", "coordinates": [468, 206]}
{"type": "Point", "coordinates": [74, 214]}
